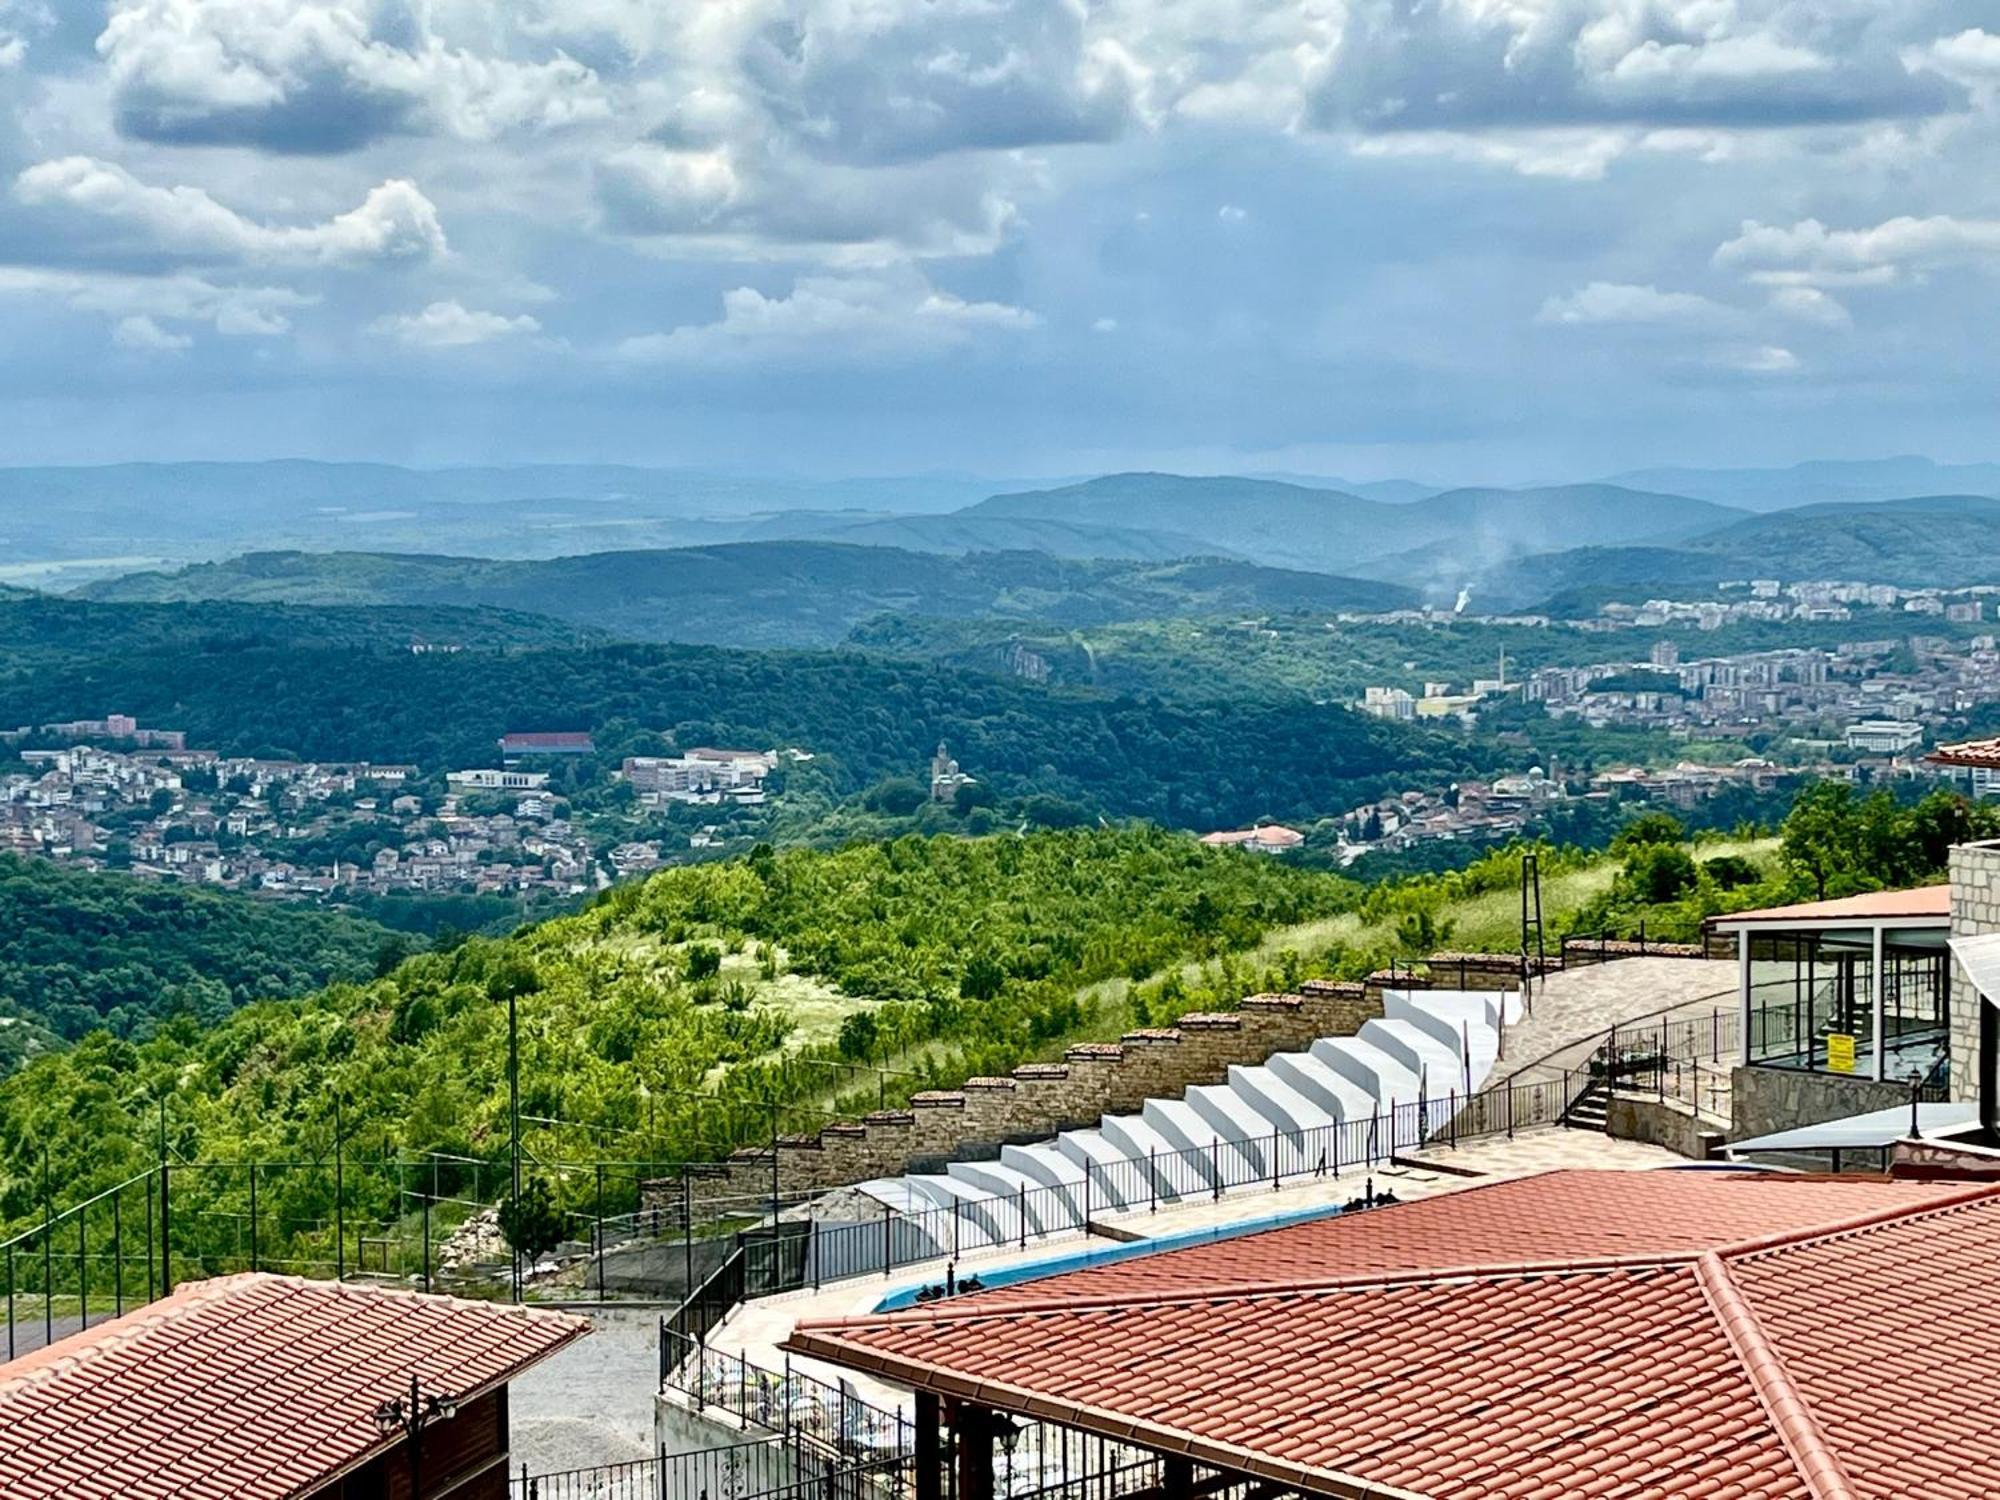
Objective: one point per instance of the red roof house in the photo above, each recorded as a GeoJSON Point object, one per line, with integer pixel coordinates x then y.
{"type": "Point", "coordinates": [1677, 1335]}
{"type": "Point", "coordinates": [259, 1387]}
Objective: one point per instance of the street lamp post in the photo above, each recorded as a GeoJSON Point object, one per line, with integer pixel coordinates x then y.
{"type": "Point", "coordinates": [410, 1416]}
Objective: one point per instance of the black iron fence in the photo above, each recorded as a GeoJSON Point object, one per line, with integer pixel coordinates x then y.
{"type": "Point", "coordinates": [766, 1469]}
{"type": "Point", "coordinates": [810, 1253]}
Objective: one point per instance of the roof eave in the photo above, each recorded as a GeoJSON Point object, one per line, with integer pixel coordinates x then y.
{"type": "Point", "coordinates": [923, 1376]}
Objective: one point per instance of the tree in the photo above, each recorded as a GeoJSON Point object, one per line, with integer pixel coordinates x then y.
{"type": "Point", "coordinates": [859, 1034]}
{"type": "Point", "coordinates": [531, 1222]}
{"type": "Point", "coordinates": [1660, 872]}
{"type": "Point", "coordinates": [1833, 839]}
{"type": "Point", "coordinates": [898, 796]}
{"type": "Point", "coordinates": [1649, 828]}
{"type": "Point", "coordinates": [703, 961]}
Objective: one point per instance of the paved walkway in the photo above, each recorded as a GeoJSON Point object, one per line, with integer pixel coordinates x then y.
{"type": "Point", "coordinates": [756, 1329]}
{"type": "Point", "coordinates": [1581, 1004]}
{"type": "Point", "coordinates": [593, 1402]}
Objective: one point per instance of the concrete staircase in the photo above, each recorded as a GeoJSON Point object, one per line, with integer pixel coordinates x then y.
{"type": "Point", "coordinates": [1284, 1117]}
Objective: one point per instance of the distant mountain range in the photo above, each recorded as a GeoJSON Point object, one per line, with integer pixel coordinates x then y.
{"type": "Point", "coordinates": [1820, 482]}
{"type": "Point", "coordinates": [764, 593]}
{"type": "Point", "coordinates": [952, 546]}
{"type": "Point", "coordinates": [1434, 543]}
{"type": "Point", "coordinates": [1947, 541]}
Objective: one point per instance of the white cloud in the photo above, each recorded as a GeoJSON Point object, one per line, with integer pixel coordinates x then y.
{"type": "Point", "coordinates": [1809, 304]}
{"type": "Point", "coordinates": [1617, 302]}
{"type": "Point", "coordinates": [394, 223]}
{"type": "Point", "coordinates": [1577, 155]}
{"type": "Point", "coordinates": [328, 75]}
{"type": "Point", "coordinates": [142, 335]}
{"type": "Point", "coordinates": [1972, 57]}
{"type": "Point", "coordinates": [452, 325]}
{"type": "Point", "coordinates": [770, 203]}
{"type": "Point", "coordinates": [1762, 359]}
{"type": "Point", "coordinates": [1229, 213]}
{"type": "Point", "coordinates": [1104, 325]}
{"type": "Point", "coordinates": [1809, 253]}
{"type": "Point", "coordinates": [826, 319]}
{"type": "Point", "coordinates": [239, 311]}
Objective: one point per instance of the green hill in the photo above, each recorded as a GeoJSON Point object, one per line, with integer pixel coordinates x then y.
{"type": "Point", "coordinates": [759, 593]}
{"type": "Point", "coordinates": [659, 1016]}
{"type": "Point", "coordinates": [1943, 541]}
{"type": "Point", "coordinates": [865, 717]}
{"type": "Point", "coordinates": [85, 950]}
{"type": "Point", "coordinates": [1437, 542]}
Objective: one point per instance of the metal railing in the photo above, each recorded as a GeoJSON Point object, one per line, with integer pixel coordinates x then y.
{"type": "Point", "coordinates": [764, 1469]}
{"type": "Point", "coordinates": [811, 1253]}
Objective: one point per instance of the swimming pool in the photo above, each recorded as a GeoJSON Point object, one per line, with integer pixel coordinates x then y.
{"type": "Point", "coordinates": [1034, 1270]}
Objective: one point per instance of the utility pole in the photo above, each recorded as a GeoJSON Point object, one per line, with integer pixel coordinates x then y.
{"type": "Point", "coordinates": [514, 1114]}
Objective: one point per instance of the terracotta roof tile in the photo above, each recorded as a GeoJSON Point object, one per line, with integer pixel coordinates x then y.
{"type": "Point", "coordinates": [247, 1387]}
{"type": "Point", "coordinates": [1670, 1335]}
{"type": "Point", "coordinates": [1923, 901]}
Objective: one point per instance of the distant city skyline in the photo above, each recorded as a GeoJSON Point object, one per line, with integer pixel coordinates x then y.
{"type": "Point", "coordinates": [1457, 241]}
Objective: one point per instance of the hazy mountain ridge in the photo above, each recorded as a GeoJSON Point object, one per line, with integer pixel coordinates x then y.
{"type": "Point", "coordinates": [1820, 481]}
{"type": "Point", "coordinates": [763, 593]}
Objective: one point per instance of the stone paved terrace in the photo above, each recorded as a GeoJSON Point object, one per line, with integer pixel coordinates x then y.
{"type": "Point", "coordinates": [1575, 1004]}
{"type": "Point", "coordinates": [756, 1329]}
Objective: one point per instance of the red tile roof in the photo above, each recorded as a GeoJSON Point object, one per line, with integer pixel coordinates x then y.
{"type": "Point", "coordinates": [250, 1387]}
{"type": "Point", "coordinates": [1924, 902]}
{"type": "Point", "coordinates": [1981, 753]}
{"type": "Point", "coordinates": [1665, 1335]}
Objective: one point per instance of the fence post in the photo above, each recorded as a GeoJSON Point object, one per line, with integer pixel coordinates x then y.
{"type": "Point", "coordinates": [253, 1219]}
{"type": "Point", "coordinates": [1510, 1111]}
{"type": "Point", "coordinates": [956, 1205]}
{"type": "Point", "coordinates": [600, 1232]}
{"type": "Point", "coordinates": [83, 1265]}
{"type": "Point", "coordinates": [117, 1253]}
{"type": "Point", "coordinates": [166, 1209]}
{"type": "Point", "coordinates": [149, 1276]}
{"type": "Point", "coordinates": [339, 1200]}
{"type": "Point", "coordinates": [1274, 1159]}
{"type": "Point", "coordinates": [887, 1247]}
{"type": "Point", "coordinates": [1153, 1178]}
{"type": "Point", "coordinates": [1021, 1212]}
{"type": "Point", "coordinates": [1087, 1164]}
{"type": "Point", "coordinates": [427, 1242]}
{"type": "Point", "coordinates": [48, 1257]}
{"type": "Point", "coordinates": [1451, 1122]}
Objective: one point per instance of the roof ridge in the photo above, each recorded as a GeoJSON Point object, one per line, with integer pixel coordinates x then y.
{"type": "Point", "coordinates": [1784, 1239]}
{"type": "Point", "coordinates": [974, 1308]}
{"type": "Point", "coordinates": [1791, 1418]}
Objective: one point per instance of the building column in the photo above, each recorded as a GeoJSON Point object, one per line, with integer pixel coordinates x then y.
{"type": "Point", "coordinates": [1877, 991]}
{"type": "Point", "coordinates": [973, 1428]}
{"type": "Point", "coordinates": [930, 1475]}
{"type": "Point", "coordinates": [1743, 996]}
{"type": "Point", "coordinates": [1177, 1478]}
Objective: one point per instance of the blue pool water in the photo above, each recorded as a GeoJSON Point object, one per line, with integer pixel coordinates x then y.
{"type": "Point", "coordinates": [1034, 1270]}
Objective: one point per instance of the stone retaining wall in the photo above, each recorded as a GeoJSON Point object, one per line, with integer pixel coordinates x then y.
{"type": "Point", "coordinates": [1093, 1079]}
{"type": "Point", "coordinates": [1038, 1100]}
{"type": "Point", "coordinates": [1582, 953]}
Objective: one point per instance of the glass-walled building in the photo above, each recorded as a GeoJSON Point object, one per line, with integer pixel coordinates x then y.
{"type": "Point", "coordinates": [1859, 986]}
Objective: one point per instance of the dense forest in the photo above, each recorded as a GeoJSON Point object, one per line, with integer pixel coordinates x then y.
{"type": "Point", "coordinates": [86, 950]}
{"type": "Point", "coordinates": [659, 1021]}
{"type": "Point", "coordinates": [1209, 764]}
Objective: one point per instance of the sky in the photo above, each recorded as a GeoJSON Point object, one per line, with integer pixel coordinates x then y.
{"type": "Point", "coordinates": [1452, 239]}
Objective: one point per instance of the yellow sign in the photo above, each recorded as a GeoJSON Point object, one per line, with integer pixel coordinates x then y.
{"type": "Point", "coordinates": [1839, 1053]}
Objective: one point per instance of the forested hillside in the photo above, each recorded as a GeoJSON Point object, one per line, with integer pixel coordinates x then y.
{"type": "Point", "coordinates": [780, 593]}
{"type": "Point", "coordinates": [660, 1017]}
{"type": "Point", "coordinates": [1188, 765]}
{"type": "Point", "coordinates": [83, 950]}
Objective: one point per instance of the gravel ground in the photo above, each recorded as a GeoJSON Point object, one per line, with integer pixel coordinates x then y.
{"type": "Point", "coordinates": [592, 1403]}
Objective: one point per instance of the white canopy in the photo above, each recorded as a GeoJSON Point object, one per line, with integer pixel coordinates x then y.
{"type": "Point", "coordinates": [1877, 1128]}
{"type": "Point", "coordinates": [1980, 957]}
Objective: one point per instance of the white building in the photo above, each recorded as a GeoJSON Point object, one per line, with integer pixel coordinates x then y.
{"type": "Point", "coordinates": [1885, 736]}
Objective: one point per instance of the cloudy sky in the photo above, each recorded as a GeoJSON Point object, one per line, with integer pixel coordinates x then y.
{"type": "Point", "coordinates": [1459, 239]}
